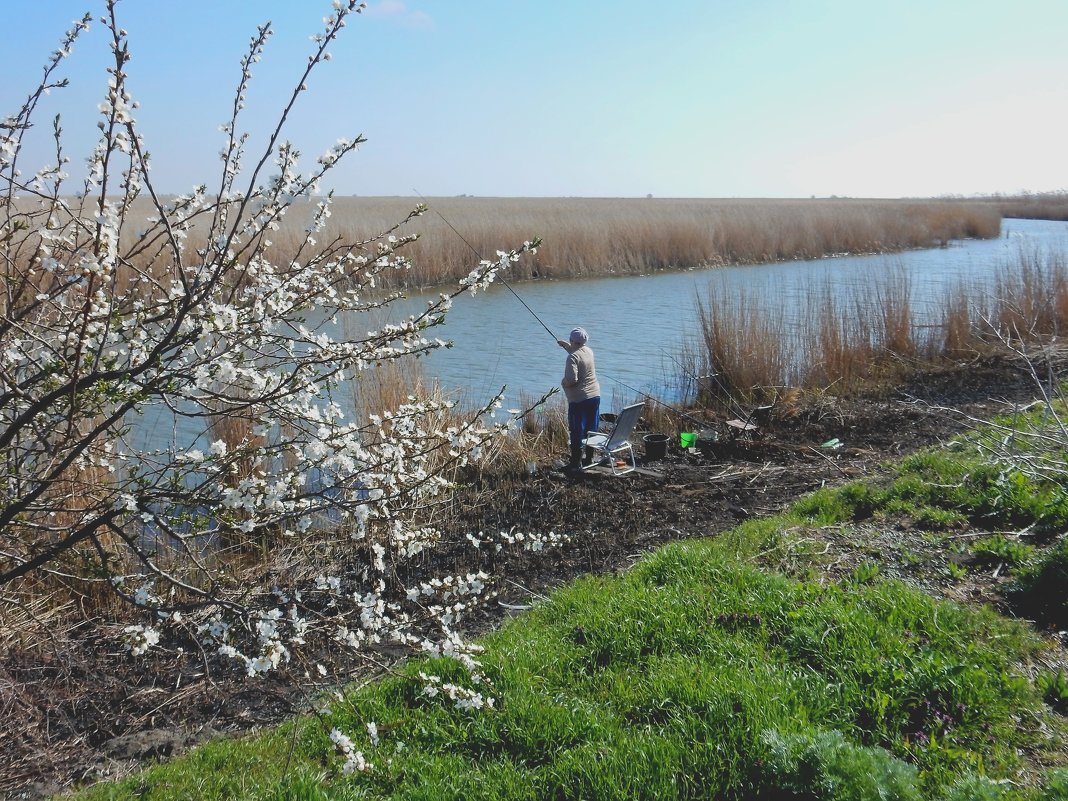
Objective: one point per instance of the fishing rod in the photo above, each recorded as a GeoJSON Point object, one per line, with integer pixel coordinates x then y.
{"type": "Point", "coordinates": [543, 325]}
{"type": "Point", "coordinates": [668, 406]}
{"type": "Point", "coordinates": [499, 276]}
{"type": "Point", "coordinates": [737, 407]}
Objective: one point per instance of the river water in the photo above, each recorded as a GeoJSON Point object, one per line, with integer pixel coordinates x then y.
{"type": "Point", "coordinates": [640, 325]}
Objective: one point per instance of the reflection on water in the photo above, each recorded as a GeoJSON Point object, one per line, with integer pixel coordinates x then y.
{"type": "Point", "coordinates": [639, 325]}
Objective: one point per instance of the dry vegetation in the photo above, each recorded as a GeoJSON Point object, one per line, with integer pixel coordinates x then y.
{"type": "Point", "coordinates": [585, 236]}
{"type": "Point", "coordinates": [597, 236]}
{"type": "Point", "coordinates": [747, 352]}
{"type": "Point", "coordinates": [1037, 206]}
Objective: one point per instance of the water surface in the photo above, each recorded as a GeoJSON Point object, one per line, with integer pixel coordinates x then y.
{"type": "Point", "coordinates": [639, 325]}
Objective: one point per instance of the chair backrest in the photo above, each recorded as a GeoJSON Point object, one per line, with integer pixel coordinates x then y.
{"type": "Point", "coordinates": [625, 422]}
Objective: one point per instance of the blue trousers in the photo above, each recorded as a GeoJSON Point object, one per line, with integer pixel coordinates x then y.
{"type": "Point", "coordinates": [582, 418]}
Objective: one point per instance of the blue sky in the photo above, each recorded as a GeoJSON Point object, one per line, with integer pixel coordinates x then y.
{"type": "Point", "coordinates": [598, 98]}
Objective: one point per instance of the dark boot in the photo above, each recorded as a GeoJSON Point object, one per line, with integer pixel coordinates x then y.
{"type": "Point", "coordinates": [575, 465]}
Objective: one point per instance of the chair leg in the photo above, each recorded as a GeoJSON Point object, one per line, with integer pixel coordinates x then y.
{"type": "Point", "coordinates": [627, 468]}
{"type": "Point", "coordinates": [592, 458]}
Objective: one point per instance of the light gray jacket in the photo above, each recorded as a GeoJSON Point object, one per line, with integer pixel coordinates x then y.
{"type": "Point", "coordinates": [580, 376]}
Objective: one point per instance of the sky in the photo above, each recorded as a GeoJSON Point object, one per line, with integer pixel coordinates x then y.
{"type": "Point", "coordinates": [588, 98]}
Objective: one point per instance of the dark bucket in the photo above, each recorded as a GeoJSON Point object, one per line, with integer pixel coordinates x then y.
{"type": "Point", "coordinates": [655, 446]}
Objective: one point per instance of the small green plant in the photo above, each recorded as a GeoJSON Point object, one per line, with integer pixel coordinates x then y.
{"type": "Point", "coordinates": [910, 558]}
{"type": "Point", "coordinates": [828, 766]}
{"type": "Point", "coordinates": [999, 548]}
{"type": "Point", "coordinates": [1053, 684]}
{"type": "Point", "coordinates": [864, 573]}
{"type": "Point", "coordinates": [956, 571]}
{"type": "Point", "coordinates": [855, 501]}
{"type": "Point", "coordinates": [933, 518]}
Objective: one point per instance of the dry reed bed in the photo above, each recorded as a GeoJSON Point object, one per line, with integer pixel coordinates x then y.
{"type": "Point", "coordinates": [1040, 206]}
{"type": "Point", "coordinates": [597, 236]}
{"type": "Point", "coordinates": [585, 237]}
{"type": "Point", "coordinates": [590, 236]}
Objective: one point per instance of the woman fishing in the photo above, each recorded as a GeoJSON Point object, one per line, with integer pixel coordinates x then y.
{"type": "Point", "coordinates": [582, 391]}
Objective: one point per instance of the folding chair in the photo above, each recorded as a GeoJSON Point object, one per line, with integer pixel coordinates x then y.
{"type": "Point", "coordinates": [608, 447]}
{"type": "Point", "coordinates": [754, 420]}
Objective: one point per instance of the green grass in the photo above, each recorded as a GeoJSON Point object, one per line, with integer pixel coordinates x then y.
{"type": "Point", "coordinates": [703, 673]}
{"type": "Point", "coordinates": [692, 676]}
{"type": "Point", "coordinates": [676, 681]}
{"type": "Point", "coordinates": [945, 488]}
{"type": "Point", "coordinates": [217, 771]}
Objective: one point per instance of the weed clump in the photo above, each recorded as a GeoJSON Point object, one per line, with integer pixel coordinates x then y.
{"type": "Point", "coordinates": [828, 766]}
{"type": "Point", "coordinates": [1040, 590]}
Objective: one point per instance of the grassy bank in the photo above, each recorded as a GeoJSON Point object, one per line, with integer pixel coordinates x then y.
{"type": "Point", "coordinates": [788, 658]}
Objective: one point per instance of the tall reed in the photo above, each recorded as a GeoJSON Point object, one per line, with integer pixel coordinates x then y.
{"type": "Point", "coordinates": [591, 236]}
{"type": "Point", "coordinates": [1030, 301]}
{"type": "Point", "coordinates": [839, 345]}
{"type": "Point", "coordinates": [1034, 206]}
{"type": "Point", "coordinates": [958, 326]}
{"type": "Point", "coordinates": [746, 350]}
{"type": "Point", "coordinates": [872, 337]}
{"type": "Point", "coordinates": [602, 236]}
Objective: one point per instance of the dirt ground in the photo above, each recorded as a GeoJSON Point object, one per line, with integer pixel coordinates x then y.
{"type": "Point", "coordinates": [81, 709]}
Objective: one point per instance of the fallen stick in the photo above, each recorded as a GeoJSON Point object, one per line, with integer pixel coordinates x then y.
{"type": "Point", "coordinates": [837, 466]}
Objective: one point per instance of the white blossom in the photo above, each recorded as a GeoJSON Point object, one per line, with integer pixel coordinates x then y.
{"type": "Point", "coordinates": [201, 381]}
{"type": "Point", "coordinates": [140, 638]}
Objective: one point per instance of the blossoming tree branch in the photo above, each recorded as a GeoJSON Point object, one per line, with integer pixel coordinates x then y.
{"type": "Point", "coordinates": [112, 319]}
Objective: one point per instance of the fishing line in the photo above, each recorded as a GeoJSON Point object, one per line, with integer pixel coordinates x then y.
{"type": "Point", "coordinates": [659, 402]}
{"type": "Point", "coordinates": [543, 325]}
{"type": "Point", "coordinates": [499, 276]}
{"type": "Point", "coordinates": [739, 410]}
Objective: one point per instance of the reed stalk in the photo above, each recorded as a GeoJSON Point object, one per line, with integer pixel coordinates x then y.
{"type": "Point", "coordinates": [872, 339]}
{"type": "Point", "coordinates": [586, 237]}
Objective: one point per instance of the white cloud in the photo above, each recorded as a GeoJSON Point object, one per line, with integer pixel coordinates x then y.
{"type": "Point", "coordinates": [398, 12]}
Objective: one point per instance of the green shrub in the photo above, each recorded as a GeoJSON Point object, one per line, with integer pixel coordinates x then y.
{"type": "Point", "coordinates": [825, 765]}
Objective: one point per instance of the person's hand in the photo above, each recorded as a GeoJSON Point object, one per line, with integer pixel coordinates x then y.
{"type": "Point", "coordinates": [562, 344]}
